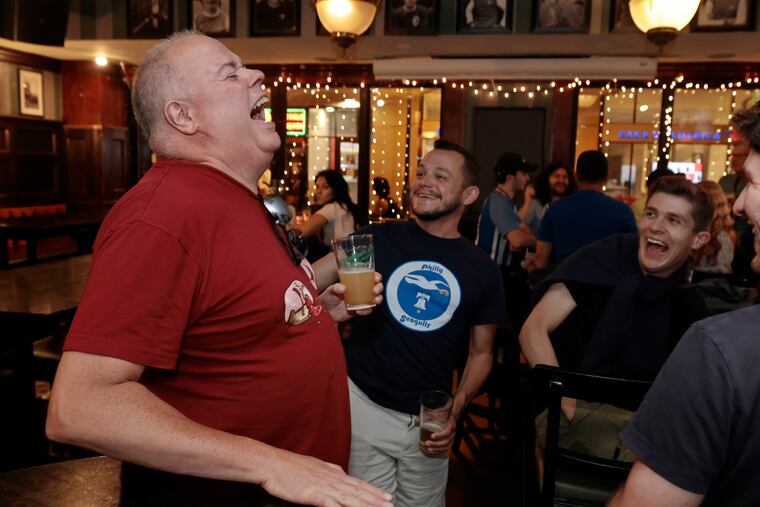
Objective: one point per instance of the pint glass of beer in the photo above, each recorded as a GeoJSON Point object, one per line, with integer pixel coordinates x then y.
{"type": "Point", "coordinates": [355, 256]}
{"type": "Point", "coordinates": [435, 408]}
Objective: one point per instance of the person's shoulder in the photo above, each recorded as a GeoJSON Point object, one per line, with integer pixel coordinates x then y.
{"type": "Point", "coordinates": [738, 325]}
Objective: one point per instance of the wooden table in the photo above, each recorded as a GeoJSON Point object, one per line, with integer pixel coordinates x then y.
{"type": "Point", "coordinates": [34, 301]}
{"type": "Point", "coordinates": [98, 482]}
{"type": "Point", "coordinates": [82, 226]}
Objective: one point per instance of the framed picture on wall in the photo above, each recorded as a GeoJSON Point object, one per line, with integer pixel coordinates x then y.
{"type": "Point", "coordinates": [30, 97]}
{"type": "Point", "coordinates": [620, 18]}
{"type": "Point", "coordinates": [271, 18]}
{"type": "Point", "coordinates": [150, 19]}
{"type": "Point", "coordinates": [212, 17]}
{"type": "Point", "coordinates": [411, 17]}
{"type": "Point", "coordinates": [723, 15]}
{"type": "Point", "coordinates": [484, 16]}
{"type": "Point", "coordinates": [561, 16]}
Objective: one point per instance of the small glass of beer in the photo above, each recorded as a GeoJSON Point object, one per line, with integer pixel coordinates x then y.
{"type": "Point", "coordinates": [355, 256]}
{"type": "Point", "coordinates": [435, 408]}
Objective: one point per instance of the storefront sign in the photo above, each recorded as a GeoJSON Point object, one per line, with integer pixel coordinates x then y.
{"type": "Point", "coordinates": [643, 135]}
{"type": "Point", "coordinates": [295, 120]}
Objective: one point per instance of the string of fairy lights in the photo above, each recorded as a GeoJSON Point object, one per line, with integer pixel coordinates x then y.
{"type": "Point", "coordinates": [393, 135]}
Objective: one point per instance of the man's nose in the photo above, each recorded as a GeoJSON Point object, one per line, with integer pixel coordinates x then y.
{"type": "Point", "coordinates": [255, 77]}
{"type": "Point", "coordinates": [739, 203]}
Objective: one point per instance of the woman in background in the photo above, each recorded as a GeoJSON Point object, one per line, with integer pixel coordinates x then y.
{"type": "Point", "coordinates": [337, 216]}
{"type": "Point", "coordinates": [384, 206]}
{"type": "Point", "coordinates": [716, 256]}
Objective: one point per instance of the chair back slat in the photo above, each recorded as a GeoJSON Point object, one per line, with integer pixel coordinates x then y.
{"type": "Point", "coordinates": [556, 383]}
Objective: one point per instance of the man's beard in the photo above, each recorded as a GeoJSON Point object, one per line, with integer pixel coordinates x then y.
{"type": "Point", "coordinates": [447, 208]}
{"type": "Point", "coordinates": [554, 191]}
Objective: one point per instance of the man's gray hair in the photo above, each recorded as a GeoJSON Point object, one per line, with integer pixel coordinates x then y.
{"type": "Point", "coordinates": [156, 82]}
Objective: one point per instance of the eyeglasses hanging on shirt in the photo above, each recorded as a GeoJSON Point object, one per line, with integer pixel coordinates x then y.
{"type": "Point", "coordinates": [280, 217]}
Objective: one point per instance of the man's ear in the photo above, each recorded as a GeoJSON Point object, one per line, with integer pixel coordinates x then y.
{"type": "Point", "coordinates": [470, 195]}
{"type": "Point", "coordinates": [178, 115]}
{"type": "Point", "coordinates": [700, 240]}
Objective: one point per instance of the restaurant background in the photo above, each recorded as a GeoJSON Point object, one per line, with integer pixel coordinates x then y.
{"type": "Point", "coordinates": [85, 149]}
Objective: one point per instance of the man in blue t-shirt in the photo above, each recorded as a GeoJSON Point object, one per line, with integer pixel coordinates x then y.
{"type": "Point", "coordinates": [443, 300]}
{"type": "Point", "coordinates": [585, 216]}
{"type": "Point", "coordinates": [500, 230]}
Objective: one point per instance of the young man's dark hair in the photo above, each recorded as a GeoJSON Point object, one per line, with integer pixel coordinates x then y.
{"type": "Point", "coordinates": [471, 168]}
{"type": "Point", "coordinates": [591, 167]}
{"type": "Point", "coordinates": [747, 124]}
{"type": "Point", "coordinates": [701, 208]}
{"type": "Point", "coordinates": [656, 175]}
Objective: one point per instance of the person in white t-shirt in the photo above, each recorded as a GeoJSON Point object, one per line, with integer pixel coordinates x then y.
{"type": "Point", "coordinates": [338, 216]}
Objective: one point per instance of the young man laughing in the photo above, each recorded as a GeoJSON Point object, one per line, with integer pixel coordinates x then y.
{"type": "Point", "coordinates": [618, 306]}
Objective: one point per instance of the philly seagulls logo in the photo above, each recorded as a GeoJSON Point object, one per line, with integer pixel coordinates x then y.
{"type": "Point", "coordinates": [423, 295]}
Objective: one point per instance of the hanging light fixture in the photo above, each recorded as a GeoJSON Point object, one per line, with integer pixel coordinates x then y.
{"type": "Point", "coordinates": [661, 20]}
{"type": "Point", "coordinates": [346, 19]}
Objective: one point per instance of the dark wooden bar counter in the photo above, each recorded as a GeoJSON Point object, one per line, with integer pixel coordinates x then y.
{"type": "Point", "coordinates": [82, 226]}
{"type": "Point", "coordinates": [35, 301]}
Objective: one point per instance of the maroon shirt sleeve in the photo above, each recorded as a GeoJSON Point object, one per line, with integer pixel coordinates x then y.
{"type": "Point", "coordinates": [138, 297]}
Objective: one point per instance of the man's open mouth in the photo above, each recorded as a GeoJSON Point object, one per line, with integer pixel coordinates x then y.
{"type": "Point", "coordinates": [656, 246]}
{"type": "Point", "coordinates": [257, 111]}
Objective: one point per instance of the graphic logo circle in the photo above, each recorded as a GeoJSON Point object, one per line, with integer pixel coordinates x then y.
{"type": "Point", "coordinates": [423, 295]}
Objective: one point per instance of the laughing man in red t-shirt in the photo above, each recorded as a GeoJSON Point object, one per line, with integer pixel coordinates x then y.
{"type": "Point", "coordinates": [201, 346]}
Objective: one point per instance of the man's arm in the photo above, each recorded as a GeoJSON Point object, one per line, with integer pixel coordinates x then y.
{"type": "Point", "coordinates": [529, 195]}
{"type": "Point", "coordinates": [645, 487]}
{"type": "Point", "coordinates": [520, 238]}
{"type": "Point", "coordinates": [543, 254]}
{"type": "Point", "coordinates": [325, 272]}
{"type": "Point", "coordinates": [475, 373]}
{"type": "Point", "coordinates": [312, 226]}
{"type": "Point", "coordinates": [554, 307]}
{"type": "Point", "coordinates": [97, 402]}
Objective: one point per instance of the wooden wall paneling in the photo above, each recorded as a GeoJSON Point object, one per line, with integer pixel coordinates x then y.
{"type": "Point", "coordinates": [564, 121]}
{"type": "Point", "coordinates": [31, 162]}
{"type": "Point", "coordinates": [37, 178]}
{"type": "Point", "coordinates": [452, 115]}
{"type": "Point", "coordinates": [79, 161]}
{"type": "Point", "coordinates": [29, 60]}
{"type": "Point", "coordinates": [93, 95]}
{"type": "Point", "coordinates": [114, 100]}
{"type": "Point", "coordinates": [97, 159]}
{"type": "Point", "coordinates": [115, 167]}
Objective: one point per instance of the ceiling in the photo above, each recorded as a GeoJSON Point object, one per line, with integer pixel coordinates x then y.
{"type": "Point", "coordinates": [689, 47]}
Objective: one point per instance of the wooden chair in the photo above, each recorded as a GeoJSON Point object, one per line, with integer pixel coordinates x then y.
{"type": "Point", "coordinates": [571, 478]}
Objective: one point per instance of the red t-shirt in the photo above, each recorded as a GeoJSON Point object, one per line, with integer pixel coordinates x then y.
{"type": "Point", "coordinates": [189, 279]}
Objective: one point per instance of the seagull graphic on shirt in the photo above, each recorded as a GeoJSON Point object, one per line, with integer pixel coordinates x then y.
{"type": "Point", "coordinates": [424, 283]}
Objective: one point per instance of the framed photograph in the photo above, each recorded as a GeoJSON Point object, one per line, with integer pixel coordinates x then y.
{"type": "Point", "coordinates": [620, 18]}
{"type": "Point", "coordinates": [723, 16]}
{"type": "Point", "coordinates": [212, 17]}
{"type": "Point", "coordinates": [484, 16]}
{"type": "Point", "coordinates": [411, 17]}
{"type": "Point", "coordinates": [150, 19]}
{"type": "Point", "coordinates": [271, 18]}
{"type": "Point", "coordinates": [561, 16]}
{"type": "Point", "coordinates": [30, 98]}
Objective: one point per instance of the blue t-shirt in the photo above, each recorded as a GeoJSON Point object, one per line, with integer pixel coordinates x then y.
{"type": "Point", "coordinates": [698, 425]}
{"type": "Point", "coordinates": [581, 218]}
{"type": "Point", "coordinates": [435, 289]}
{"type": "Point", "coordinates": [497, 219]}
